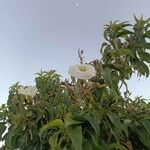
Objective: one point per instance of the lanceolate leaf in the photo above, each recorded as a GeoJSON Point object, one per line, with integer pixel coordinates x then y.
{"type": "Point", "coordinates": [145, 56]}
{"type": "Point", "coordinates": [144, 136]}
{"type": "Point", "coordinates": [116, 132]}
{"type": "Point", "coordinates": [75, 133]}
{"type": "Point", "coordinates": [146, 124]}
{"type": "Point", "coordinates": [106, 73]}
{"type": "Point", "coordinates": [94, 122]}
{"type": "Point", "coordinates": [124, 32]}
{"type": "Point", "coordinates": [69, 121]}
{"type": "Point", "coordinates": [142, 68]}
{"type": "Point", "coordinates": [116, 122]}
{"type": "Point", "coordinates": [102, 47]}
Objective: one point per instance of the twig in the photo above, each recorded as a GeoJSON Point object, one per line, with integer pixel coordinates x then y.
{"type": "Point", "coordinates": [81, 57]}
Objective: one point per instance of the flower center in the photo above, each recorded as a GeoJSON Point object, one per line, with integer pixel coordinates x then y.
{"type": "Point", "coordinates": [82, 68]}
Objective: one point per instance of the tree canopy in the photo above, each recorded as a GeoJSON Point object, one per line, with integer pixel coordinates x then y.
{"type": "Point", "coordinates": [89, 111]}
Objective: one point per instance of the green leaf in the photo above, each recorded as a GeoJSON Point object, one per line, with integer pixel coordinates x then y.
{"type": "Point", "coordinates": [144, 56]}
{"type": "Point", "coordinates": [105, 34]}
{"type": "Point", "coordinates": [116, 132]}
{"type": "Point", "coordinates": [123, 32]}
{"type": "Point", "coordinates": [87, 146]}
{"type": "Point", "coordinates": [106, 74]}
{"type": "Point", "coordinates": [144, 136]}
{"type": "Point", "coordinates": [126, 52]}
{"type": "Point", "coordinates": [2, 129]}
{"type": "Point", "coordinates": [146, 124]}
{"type": "Point", "coordinates": [53, 141]}
{"type": "Point", "coordinates": [103, 45]}
{"type": "Point", "coordinates": [147, 45]}
{"type": "Point", "coordinates": [142, 68]}
{"type": "Point", "coordinates": [116, 146]}
{"type": "Point", "coordinates": [147, 34]}
{"type": "Point", "coordinates": [69, 121]}
{"type": "Point", "coordinates": [75, 133]}
{"type": "Point", "coordinates": [94, 122]}
{"type": "Point", "coordinates": [116, 122]}
{"type": "Point", "coordinates": [95, 145]}
{"type": "Point", "coordinates": [56, 123]}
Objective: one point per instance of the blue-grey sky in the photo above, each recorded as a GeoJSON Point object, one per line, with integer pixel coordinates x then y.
{"type": "Point", "coordinates": [45, 34]}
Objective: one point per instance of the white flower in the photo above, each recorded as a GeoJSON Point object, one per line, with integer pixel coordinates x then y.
{"type": "Point", "coordinates": [28, 91]}
{"type": "Point", "coordinates": [82, 71]}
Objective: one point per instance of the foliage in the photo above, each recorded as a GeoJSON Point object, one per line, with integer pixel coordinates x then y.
{"type": "Point", "coordinates": [86, 114]}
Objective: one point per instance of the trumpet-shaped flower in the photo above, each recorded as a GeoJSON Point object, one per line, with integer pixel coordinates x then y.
{"type": "Point", "coordinates": [82, 71]}
{"type": "Point", "coordinates": [28, 91]}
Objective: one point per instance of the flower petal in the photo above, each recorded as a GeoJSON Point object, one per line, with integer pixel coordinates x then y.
{"type": "Point", "coordinates": [86, 73]}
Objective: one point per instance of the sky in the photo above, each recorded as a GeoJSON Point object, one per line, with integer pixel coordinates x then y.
{"type": "Point", "coordinates": [46, 34]}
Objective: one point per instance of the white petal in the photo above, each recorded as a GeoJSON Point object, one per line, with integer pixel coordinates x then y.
{"type": "Point", "coordinates": [77, 73]}
{"type": "Point", "coordinates": [28, 91]}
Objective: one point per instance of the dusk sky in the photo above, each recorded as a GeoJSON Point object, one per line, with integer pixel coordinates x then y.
{"type": "Point", "coordinates": [46, 34]}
